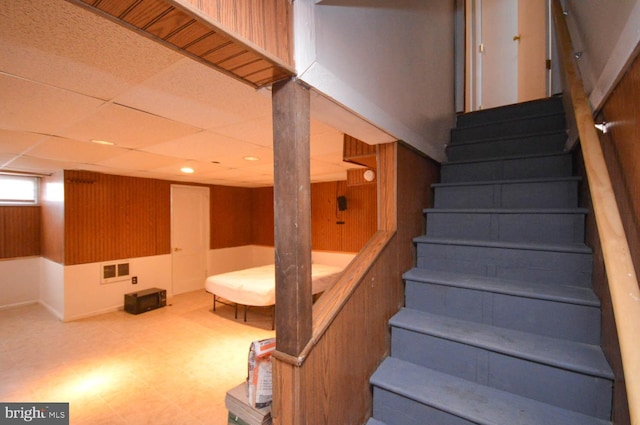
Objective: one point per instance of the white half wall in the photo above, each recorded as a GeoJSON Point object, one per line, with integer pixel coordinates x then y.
{"type": "Point", "coordinates": [19, 281]}
{"type": "Point", "coordinates": [52, 287]}
{"type": "Point", "coordinates": [390, 62]}
{"type": "Point", "coordinates": [85, 295]}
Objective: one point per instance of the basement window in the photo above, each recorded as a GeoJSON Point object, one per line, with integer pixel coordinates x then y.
{"type": "Point", "coordinates": [18, 190]}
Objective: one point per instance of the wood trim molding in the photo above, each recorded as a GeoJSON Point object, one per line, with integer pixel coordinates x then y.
{"type": "Point", "coordinates": [625, 293]}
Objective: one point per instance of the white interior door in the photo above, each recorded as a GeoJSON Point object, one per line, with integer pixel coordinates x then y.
{"type": "Point", "coordinates": [189, 237]}
{"type": "Point", "coordinates": [507, 52]}
{"type": "Point", "coordinates": [498, 53]}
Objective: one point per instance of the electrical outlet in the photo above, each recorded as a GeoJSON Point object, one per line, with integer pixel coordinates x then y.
{"type": "Point", "coordinates": [134, 280]}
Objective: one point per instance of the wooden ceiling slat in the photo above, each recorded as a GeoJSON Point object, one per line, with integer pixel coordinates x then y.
{"type": "Point", "coordinates": [189, 35]}
{"type": "Point", "coordinates": [145, 12]}
{"type": "Point", "coordinates": [208, 44]}
{"type": "Point", "coordinates": [169, 23]}
{"type": "Point", "coordinates": [224, 53]}
{"type": "Point", "coordinates": [239, 60]}
{"type": "Point", "coordinates": [251, 67]}
{"type": "Point", "coordinates": [114, 7]}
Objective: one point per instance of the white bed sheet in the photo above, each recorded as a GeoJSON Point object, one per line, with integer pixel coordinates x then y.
{"type": "Point", "coordinates": [257, 285]}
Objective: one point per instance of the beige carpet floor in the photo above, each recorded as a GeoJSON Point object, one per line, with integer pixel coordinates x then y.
{"type": "Point", "coordinates": [168, 366]}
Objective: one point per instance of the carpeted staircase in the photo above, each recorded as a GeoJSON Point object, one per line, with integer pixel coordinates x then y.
{"type": "Point", "coordinates": [500, 325]}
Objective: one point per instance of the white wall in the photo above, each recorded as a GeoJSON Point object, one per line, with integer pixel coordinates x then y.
{"type": "Point", "coordinates": [608, 35]}
{"type": "Point", "coordinates": [19, 281]}
{"type": "Point", "coordinates": [388, 61]}
{"type": "Point", "coordinates": [52, 287]}
{"type": "Point", "coordinates": [85, 295]}
{"type": "Point", "coordinates": [74, 292]}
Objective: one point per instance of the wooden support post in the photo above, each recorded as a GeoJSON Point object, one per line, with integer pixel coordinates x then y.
{"type": "Point", "coordinates": [292, 210]}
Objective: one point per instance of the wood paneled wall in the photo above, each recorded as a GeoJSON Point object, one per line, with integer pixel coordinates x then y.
{"type": "Point", "coordinates": [622, 154]}
{"type": "Point", "coordinates": [231, 216]}
{"type": "Point", "coordinates": [265, 23]}
{"type": "Point", "coordinates": [327, 232]}
{"type": "Point", "coordinates": [262, 217]}
{"type": "Point", "coordinates": [348, 230]}
{"type": "Point", "coordinates": [19, 231]}
{"type": "Point", "coordinates": [109, 217]}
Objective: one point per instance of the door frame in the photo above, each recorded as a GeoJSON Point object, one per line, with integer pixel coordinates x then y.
{"type": "Point", "coordinates": [206, 193]}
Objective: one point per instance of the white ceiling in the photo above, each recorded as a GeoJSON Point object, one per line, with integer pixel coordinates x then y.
{"type": "Point", "coordinates": [68, 77]}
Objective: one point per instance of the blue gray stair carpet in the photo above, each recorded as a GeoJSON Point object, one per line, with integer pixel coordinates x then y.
{"type": "Point", "coordinates": [500, 324]}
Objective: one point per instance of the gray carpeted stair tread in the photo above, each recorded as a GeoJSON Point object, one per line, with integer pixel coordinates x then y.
{"type": "Point", "coordinates": [568, 355]}
{"type": "Point", "coordinates": [477, 403]}
{"type": "Point", "coordinates": [557, 293]}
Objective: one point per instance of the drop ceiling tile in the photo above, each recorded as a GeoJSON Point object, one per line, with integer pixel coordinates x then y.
{"type": "Point", "coordinates": [139, 161]}
{"type": "Point", "coordinates": [194, 93]}
{"type": "Point", "coordinates": [327, 143]}
{"type": "Point", "coordinates": [258, 131]}
{"type": "Point", "coordinates": [128, 127]}
{"type": "Point", "coordinates": [209, 146]}
{"type": "Point", "coordinates": [201, 169]}
{"type": "Point", "coordinates": [59, 148]}
{"type": "Point", "coordinates": [38, 165]}
{"type": "Point", "coordinates": [67, 46]}
{"type": "Point", "coordinates": [16, 142]}
{"type": "Point", "coordinates": [34, 107]}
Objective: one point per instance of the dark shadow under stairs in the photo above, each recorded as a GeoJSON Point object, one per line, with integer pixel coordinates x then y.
{"type": "Point", "coordinates": [501, 325]}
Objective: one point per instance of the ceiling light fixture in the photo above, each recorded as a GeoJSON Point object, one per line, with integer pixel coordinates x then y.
{"type": "Point", "coordinates": [251, 158]}
{"type": "Point", "coordinates": [187, 170]}
{"type": "Point", "coordinates": [102, 142]}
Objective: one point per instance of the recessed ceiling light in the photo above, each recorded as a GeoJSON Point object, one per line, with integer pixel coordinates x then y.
{"type": "Point", "coordinates": [251, 158]}
{"type": "Point", "coordinates": [102, 142]}
{"type": "Point", "coordinates": [187, 170]}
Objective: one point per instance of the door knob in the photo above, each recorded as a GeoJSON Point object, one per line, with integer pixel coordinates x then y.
{"type": "Point", "coordinates": [516, 37]}
{"type": "Point", "coordinates": [177, 249]}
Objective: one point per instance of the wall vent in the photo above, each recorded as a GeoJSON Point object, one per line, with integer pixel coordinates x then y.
{"type": "Point", "coordinates": [114, 272]}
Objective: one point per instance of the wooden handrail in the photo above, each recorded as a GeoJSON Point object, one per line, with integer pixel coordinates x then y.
{"type": "Point", "coordinates": [330, 304]}
{"type": "Point", "coordinates": [623, 282]}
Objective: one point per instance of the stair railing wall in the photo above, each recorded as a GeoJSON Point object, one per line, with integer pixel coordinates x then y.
{"type": "Point", "coordinates": [623, 283]}
{"type": "Point", "coordinates": [328, 381]}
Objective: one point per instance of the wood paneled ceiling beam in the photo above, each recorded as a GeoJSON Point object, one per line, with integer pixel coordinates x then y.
{"type": "Point", "coordinates": [196, 36]}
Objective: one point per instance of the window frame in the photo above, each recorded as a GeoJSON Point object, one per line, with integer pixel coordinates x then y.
{"type": "Point", "coordinates": [34, 200]}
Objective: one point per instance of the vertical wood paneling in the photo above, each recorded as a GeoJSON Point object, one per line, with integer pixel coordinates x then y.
{"type": "Point", "coordinates": [19, 231]}
{"type": "Point", "coordinates": [265, 23]}
{"type": "Point", "coordinates": [111, 217]}
{"type": "Point", "coordinates": [622, 154]}
{"type": "Point", "coordinates": [349, 230]}
{"type": "Point", "coordinates": [52, 206]}
{"type": "Point", "coordinates": [230, 216]}
{"type": "Point", "coordinates": [262, 217]}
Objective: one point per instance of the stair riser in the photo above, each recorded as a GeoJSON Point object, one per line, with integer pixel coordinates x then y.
{"type": "Point", "coordinates": [392, 408]}
{"type": "Point", "coordinates": [555, 194]}
{"type": "Point", "coordinates": [540, 382]}
{"type": "Point", "coordinates": [527, 109]}
{"type": "Point", "coordinates": [509, 128]}
{"type": "Point", "coordinates": [541, 228]}
{"type": "Point", "coordinates": [545, 267]}
{"type": "Point", "coordinates": [521, 168]}
{"type": "Point", "coordinates": [554, 319]}
{"type": "Point", "coordinates": [506, 147]}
